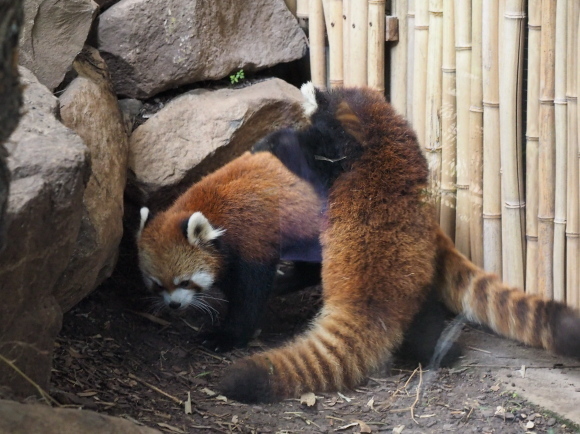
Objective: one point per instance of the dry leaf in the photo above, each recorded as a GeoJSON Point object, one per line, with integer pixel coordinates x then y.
{"type": "Point", "coordinates": [398, 429]}
{"type": "Point", "coordinates": [170, 427]}
{"type": "Point", "coordinates": [332, 401]}
{"type": "Point", "coordinates": [308, 398]}
{"type": "Point", "coordinates": [208, 392]}
{"type": "Point", "coordinates": [235, 419]}
{"type": "Point", "coordinates": [522, 371]}
{"type": "Point", "coordinates": [494, 388]}
{"type": "Point", "coordinates": [86, 394]}
{"type": "Point", "coordinates": [221, 398]}
{"type": "Point", "coordinates": [371, 403]}
{"type": "Point", "coordinates": [188, 404]}
{"type": "Point", "coordinates": [364, 428]}
{"type": "Point", "coordinates": [344, 397]}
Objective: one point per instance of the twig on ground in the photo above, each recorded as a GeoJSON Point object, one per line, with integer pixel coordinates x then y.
{"type": "Point", "coordinates": [156, 389]}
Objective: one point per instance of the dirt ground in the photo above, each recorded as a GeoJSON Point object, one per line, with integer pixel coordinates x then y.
{"type": "Point", "coordinates": [113, 356]}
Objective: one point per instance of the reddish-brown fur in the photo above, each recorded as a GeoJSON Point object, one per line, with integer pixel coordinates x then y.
{"type": "Point", "coordinates": [382, 250]}
{"type": "Point", "coordinates": [255, 198]}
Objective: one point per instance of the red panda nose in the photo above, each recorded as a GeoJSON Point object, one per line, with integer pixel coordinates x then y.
{"type": "Point", "coordinates": [174, 304]}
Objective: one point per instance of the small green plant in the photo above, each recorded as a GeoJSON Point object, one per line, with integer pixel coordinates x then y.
{"type": "Point", "coordinates": [237, 77]}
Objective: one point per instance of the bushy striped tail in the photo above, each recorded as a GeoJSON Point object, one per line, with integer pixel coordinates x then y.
{"type": "Point", "coordinates": [483, 298]}
{"type": "Point", "coordinates": [337, 353]}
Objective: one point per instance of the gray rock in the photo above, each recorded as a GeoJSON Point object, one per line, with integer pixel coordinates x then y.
{"type": "Point", "coordinates": [200, 131]}
{"type": "Point", "coordinates": [89, 107]}
{"type": "Point", "coordinates": [153, 46]}
{"type": "Point", "coordinates": [16, 418]}
{"type": "Point", "coordinates": [130, 108]}
{"type": "Point", "coordinates": [54, 33]}
{"type": "Point", "coordinates": [49, 165]}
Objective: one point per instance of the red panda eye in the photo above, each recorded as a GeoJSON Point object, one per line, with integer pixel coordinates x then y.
{"type": "Point", "coordinates": [184, 283]}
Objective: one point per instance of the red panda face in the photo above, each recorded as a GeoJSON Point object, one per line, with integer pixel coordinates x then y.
{"type": "Point", "coordinates": [178, 259]}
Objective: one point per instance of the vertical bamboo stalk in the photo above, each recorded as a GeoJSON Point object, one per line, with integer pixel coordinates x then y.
{"type": "Point", "coordinates": [532, 140]}
{"type": "Point", "coordinates": [463, 80]}
{"type": "Point", "coordinates": [334, 21]}
{"type": "Point", "coordinates": [573, 193]}
{"type": "Point", "coordinates": [510, 83]}
{"type": "Point", "coordinates": [317, 44]}
{"type": "Point", "coordinates": [398, 79]}
{"type": "Point", "coordinates": [491, 150]}
{"type": "Point", "coordinates": [346, 30]}
{"type": "Point", "coordinates": [433, 101]}
{"type": "Point", "coordinates": [359, 42]}
{"type": "Point", "coordinates": [420, 68]}
{"type": "Point", "coordinates": [410, 58]}
{"type": "Point", "coordinates": [561, 142]}
{"type": "Point", "coordinates": [476, 137]}
{"type": "Point", "coordinates": [546, 152]}
{"type": "Point", "coordinates": [376, 45]}
{"type": "Point", "coordinates": [448, 121]}
{"type": "Point", "coordinates": [302, 7]}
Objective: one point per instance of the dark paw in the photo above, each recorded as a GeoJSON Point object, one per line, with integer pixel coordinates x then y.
{"type": "Point", "coordinates": [247, 381]}
{"type": "Point", "coordinates": [221, 342]}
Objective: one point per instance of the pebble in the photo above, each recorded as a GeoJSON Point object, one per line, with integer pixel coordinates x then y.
{"type": "Point", "coordinates": [551, 422]}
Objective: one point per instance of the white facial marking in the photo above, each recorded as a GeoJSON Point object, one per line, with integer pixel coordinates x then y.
{"type": "Point", "coordinates": [182, 296]}
{"type": "Point", "coordinates": [203, 279]}
{"type": "Point", "coordinates": [150, 280]}
{"type": "Point", "coordinates": [199, 229]}
{"type": "Point", "coordinates": [309, 92]}
{"type": "Point", "coordinates": [144, 215]}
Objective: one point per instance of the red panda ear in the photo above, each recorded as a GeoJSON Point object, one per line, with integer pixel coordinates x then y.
{"type": "Point", "coordinates": [198, 229]}
{"type": "Point", "coordinates": [350, 121]}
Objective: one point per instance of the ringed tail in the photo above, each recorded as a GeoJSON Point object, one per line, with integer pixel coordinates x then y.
{"type": "Point", "coordinates": [337, 353]}
{"type": "Point", "coordinates": [484, 299]}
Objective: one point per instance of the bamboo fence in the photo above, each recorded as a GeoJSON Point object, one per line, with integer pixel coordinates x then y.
{"type": "Point", "coordinates": [457, 72]}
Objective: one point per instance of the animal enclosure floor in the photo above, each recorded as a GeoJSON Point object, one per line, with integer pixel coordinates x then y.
{"type": "Point", "coordinates": [113, 359]}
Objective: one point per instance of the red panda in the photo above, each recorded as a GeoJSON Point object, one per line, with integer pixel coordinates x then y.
{"type": "Point", "coordinates": [382, 252]}
{"type": "Point", "coordinates": [230, 229]}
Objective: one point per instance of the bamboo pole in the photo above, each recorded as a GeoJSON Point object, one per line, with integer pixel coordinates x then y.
{"type": "Point", "coordinates": [573, 193]}
{"type": "Point", "coordinates": [433, 103]}
{"type": "Point", "coordinates": [398, 70]}
{"type": "Point", "coordinates": [561, 143]}
{"type": "Point", "coordinates": [491, 150]}
{"type": "Point", "coordinates": [346, 31]}
{"type": "Point", "coordinates": [532, 140]}
{"type": "Point", "coordinates": [463, 83]}
{"type": "Point", "coordinates": [420, 68]}
{"type": "Point", "coordinates": [359, 42]}
{"type": "Point", "coordinates": [511, 156]}
{"type": "Point", "coordinates": [334, 21]}
{"type": "Point", "coordinates": [410, 58]}
{"type": "Point", "coordinates": [317, 44]}
{"type": "Point", "coordinates": [476, 137]}
{"type": "Point", "coordinates": [448, 118]}
{"type": "Point", "coordinates": [376, 45]}
{"type": "Point", "coordinates": [302, 7]}
{"type": "Point", "coordinates": [546, 152]}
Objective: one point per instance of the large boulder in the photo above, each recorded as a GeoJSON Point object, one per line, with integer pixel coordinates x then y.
{"type": "Point", "coordinates": [90, 108]}
{"type": "Point", "coordinates": [16, 418]}
{"type": "Point", "coordinates": [49, 166]}
{"type": "Point", "coordinates": [11, 16]}
{"type": "Point", "coordinates": [54, 32]}
{"type": "Point", "coordinates": [151, 46]}
{"type": "Point", "coordinates": [202, 130]}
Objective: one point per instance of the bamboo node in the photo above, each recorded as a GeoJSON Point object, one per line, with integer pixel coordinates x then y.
{"type": "Point", "coordinates": [491, 104]}
{"type": "Point", "coordinates": [559, 221]}
{"type": "Point", "coordinates": [475, 109]}
{"type": "Point", "coordinates": [532, 138]}
{"type": "Point", "coordinates": [514, 16]}
{"type": "Point", "coordinates": [462, 186]}
{"type": "Point", "coordinates": [546, 101]}
{"type": "Point", "coordinates": [448, 70]}
{"type": "Point", "coordinates": [534, 27]}
{"type": "Point", "coordinates": [515, 205]}
{"type": "Point", "coordinates": [436, 13]}
{"type": "Point", "coordinates": [421, 27]}
{"type": "Point", "coordinates": [571, 98]}
{"type": "Point", "coordinates": [462, 47]}
{"type": "Point", "coordinates": [410, 14]}
{"type": "Point", "coordinates": [546, 219]}
{"type": "Point", "coordinates": [491, 216]}
{"type": "Point", "coordinates": [532, 237]}
{"type": "Point", "coordinates": [562, 101]}
{"type": "Point", "coordinates": [572, 234]}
